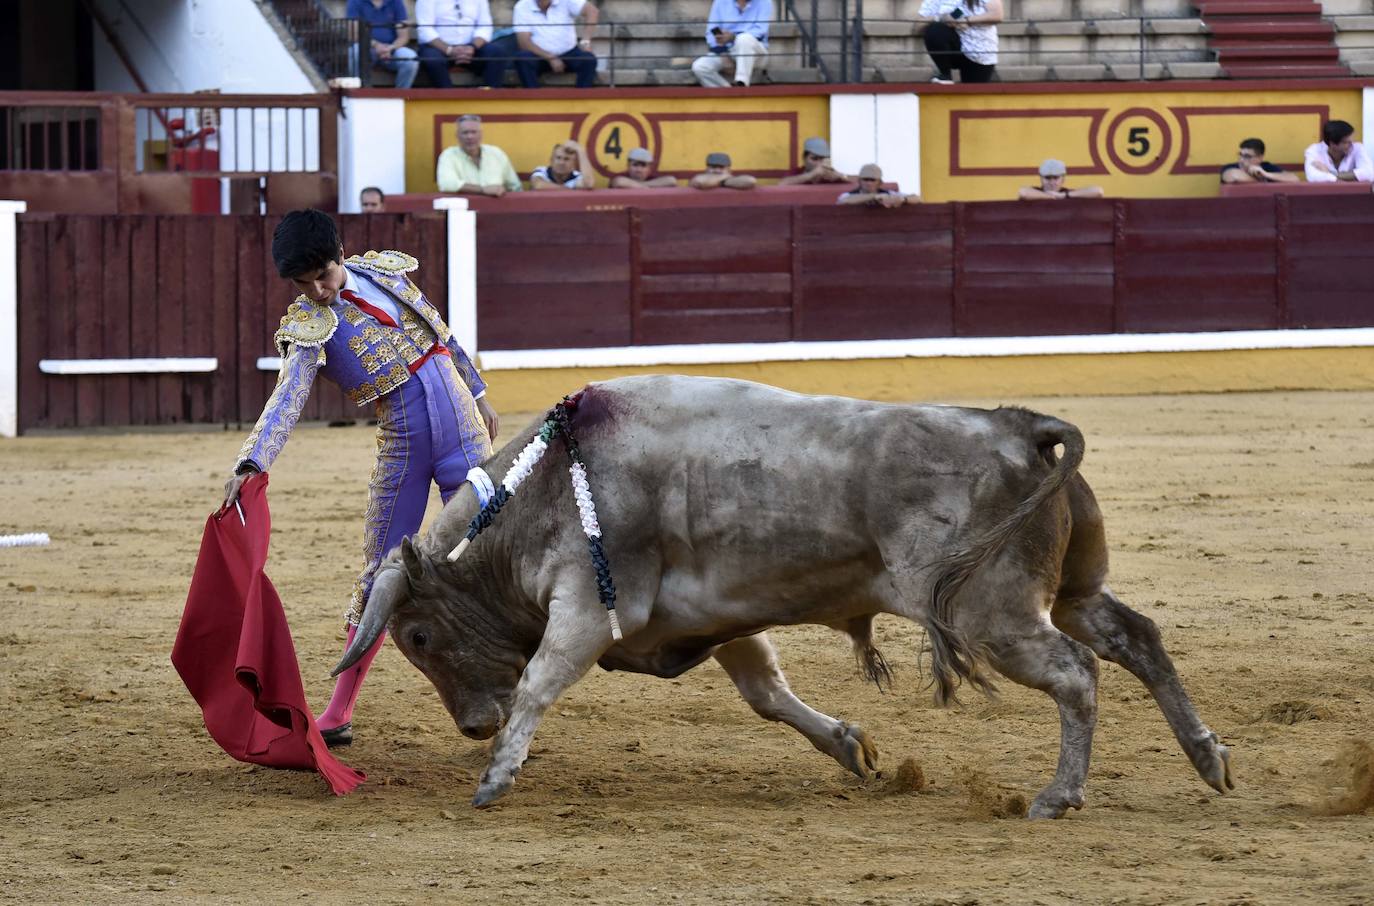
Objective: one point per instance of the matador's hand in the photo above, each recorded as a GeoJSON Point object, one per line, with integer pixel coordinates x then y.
{"type": "Point", "coordinates": [233, 486]}
{"type": "Point", "coordinates": [489, 416]}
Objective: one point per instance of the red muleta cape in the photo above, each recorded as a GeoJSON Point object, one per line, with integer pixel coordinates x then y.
{"type": "Point", "coordinates": [235, 654]}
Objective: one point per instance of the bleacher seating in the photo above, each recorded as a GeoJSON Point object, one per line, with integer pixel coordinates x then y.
{"type": "Point", "coordinates": [1069, 40]}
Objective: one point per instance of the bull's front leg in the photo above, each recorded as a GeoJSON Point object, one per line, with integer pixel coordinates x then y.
{"type": "Point", "coordinates": [576, 635]}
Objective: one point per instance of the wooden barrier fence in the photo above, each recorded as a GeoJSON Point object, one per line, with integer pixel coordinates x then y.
{"type": "Point", "coordinates": [120, 286]}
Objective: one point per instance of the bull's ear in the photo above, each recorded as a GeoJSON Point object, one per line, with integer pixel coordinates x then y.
{"type": "Point", "coordinates": [413, 561]}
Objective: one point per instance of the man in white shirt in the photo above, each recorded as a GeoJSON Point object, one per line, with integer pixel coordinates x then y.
{"type": "Point", "coordinates": [458, 33]}
{"type": "Point", "coordinates": [1338, 157]}
{"type": "Point", "coordinates": [549, 40]}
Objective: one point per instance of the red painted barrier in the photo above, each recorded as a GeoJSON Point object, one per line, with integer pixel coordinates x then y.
{"type": "Point", "coordinates": [121, 286]}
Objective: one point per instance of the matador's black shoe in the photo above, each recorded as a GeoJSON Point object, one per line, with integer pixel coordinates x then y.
{"type": "Point", "coordinates": [341, 735]}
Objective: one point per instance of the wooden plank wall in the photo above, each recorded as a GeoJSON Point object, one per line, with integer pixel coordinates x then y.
{"type": "Point", "coordinates": [132, 286]}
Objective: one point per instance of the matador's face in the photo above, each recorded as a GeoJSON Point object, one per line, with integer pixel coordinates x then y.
{"type": "Point", "coordinates": [321, 286]}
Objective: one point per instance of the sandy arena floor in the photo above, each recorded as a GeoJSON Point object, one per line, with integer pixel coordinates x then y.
{"type": "Point", "coordinates": [1240, 523]}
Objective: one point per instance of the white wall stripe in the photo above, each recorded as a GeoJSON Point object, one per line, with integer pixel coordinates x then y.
{"type": "Point", "coordinates": [129, 366]}
{"type": "Point", "coordinates": [1096, 344]}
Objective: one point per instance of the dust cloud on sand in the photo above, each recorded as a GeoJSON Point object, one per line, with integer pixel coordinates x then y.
{"type": "Point", "coordinates": [1239, 523]}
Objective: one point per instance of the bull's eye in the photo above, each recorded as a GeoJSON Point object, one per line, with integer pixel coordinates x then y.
{"type": "Point", "coordinates": [419, 639]}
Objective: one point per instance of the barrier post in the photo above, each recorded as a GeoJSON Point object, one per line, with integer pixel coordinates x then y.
{"type": "Point", "coordinates": [9, 316]}
{"type": "Point", "coordinates": [462, 271]}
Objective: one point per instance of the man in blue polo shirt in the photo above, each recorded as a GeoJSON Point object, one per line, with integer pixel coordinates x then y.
{"type": "Point", "coordinates": [737, 36]}
{"type": "Point", "coordinates": [390, 37]}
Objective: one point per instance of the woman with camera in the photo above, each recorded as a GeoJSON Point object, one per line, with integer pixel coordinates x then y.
{"type": "Point", "coordinates": [962, 35]}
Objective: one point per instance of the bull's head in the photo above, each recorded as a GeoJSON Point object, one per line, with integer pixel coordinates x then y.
{"type": "Point", "coordinates": [444, 628]}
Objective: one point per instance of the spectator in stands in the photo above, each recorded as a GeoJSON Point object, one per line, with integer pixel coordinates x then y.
{"type": "Point", "coordinates": [962, 35]}
{"type": "Point", "coordinates": [1052, 188]}
{"type": "Point", "coordinates": [640, 174]}
{"type": "Point", "coordinates": [390, 42]}
{"type": "Point", "coordinates": [1338, 157]}
{"type": "Point", "coordinates": [567, 169]}
{"type": "Point", "coordinates": [372, 201]}
{"type": "Point", "coordinates": [458, 33]}
{"type": "Point", "coordinates": [816, 166]}
{"type": "Point", "coordinates": [546, 31]}
{"type": "Point", "coordinates": [718, 174]}
{"type": "Point", "coordinates": [1251, 166]}
{"type": "Point", "coordinates": [870, 191]}
{"type": "Point", "coordinates": [737, 36]}
{"type": "Point", "coordinates": [472, 168]}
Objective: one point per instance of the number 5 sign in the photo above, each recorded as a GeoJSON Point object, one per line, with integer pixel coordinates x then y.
{"type": "Point", "coordinates": [1139, 141]}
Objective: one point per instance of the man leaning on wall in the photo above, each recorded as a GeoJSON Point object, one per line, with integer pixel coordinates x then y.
{"type": "Point", "coordinates": [1052, 187]}
{"type": "Point", "coordinates": [472, 168]}
{"type": "Point", "coordinates": [1338, 157]}
{"type": "Point", "coordinates": [639, 173]}
{"type": "Point", "coordinates": [1250, 166]}
{"type": "Point", "coordinates": [718, 175]}
{"type": "Point", "coordinates": [816, 166]}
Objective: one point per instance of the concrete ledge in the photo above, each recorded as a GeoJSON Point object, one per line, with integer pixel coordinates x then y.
{"type": "Point", "coordinates": [604, 199]}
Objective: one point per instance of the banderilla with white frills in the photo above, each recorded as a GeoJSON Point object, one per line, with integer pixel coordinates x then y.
{"type": "Point", "coordinates": [557, 422]}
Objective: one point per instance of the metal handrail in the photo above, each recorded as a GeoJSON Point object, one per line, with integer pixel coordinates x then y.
{"type": "Point", "coordinates": [808, 36]}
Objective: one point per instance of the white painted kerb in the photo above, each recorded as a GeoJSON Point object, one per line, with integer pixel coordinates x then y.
{"type": "Point", "coordinates": [9, 316]}
{"type": "Point", "coordinates": [166, 365]}
{"type": "Point", "coordinates": [963, 347]}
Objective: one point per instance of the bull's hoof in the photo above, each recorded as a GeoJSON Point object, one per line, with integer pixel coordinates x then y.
{"type": "Point", "coordinates": [1213, 763]}
{"type": "Point", "coordinates": [856, 750]}
{"type": "Point", "coordinates": [488, 791]}
{"type": "Point", "coordinates": [1054, 801]}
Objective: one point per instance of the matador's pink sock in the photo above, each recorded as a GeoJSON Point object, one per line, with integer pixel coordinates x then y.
{"type": "Point", "coordinates": [340, 710]}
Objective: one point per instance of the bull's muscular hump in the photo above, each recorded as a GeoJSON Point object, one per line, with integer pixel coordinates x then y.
{"type": "Point", "coordinates": [728, 507]}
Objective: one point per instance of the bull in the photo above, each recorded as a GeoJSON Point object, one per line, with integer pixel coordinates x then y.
{"type": "Point", "coordinates": [730, 507]}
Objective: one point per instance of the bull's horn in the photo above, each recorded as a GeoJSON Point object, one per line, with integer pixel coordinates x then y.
{"type": "Point", "coordinates": [388, 590]}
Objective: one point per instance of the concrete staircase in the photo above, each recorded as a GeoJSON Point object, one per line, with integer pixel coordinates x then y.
{"type": "Point", "coordinates": [1272, 39]}
{"type": "Point", "coordinates": [1354, 23]}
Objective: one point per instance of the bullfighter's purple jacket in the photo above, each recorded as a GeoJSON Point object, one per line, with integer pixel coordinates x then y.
{"type": "Point", "coordinates": [365, 358]}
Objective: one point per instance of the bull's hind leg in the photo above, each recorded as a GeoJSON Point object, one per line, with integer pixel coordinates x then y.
{"type": "Point", "coordinates": [752, 664]}
{"type": "Point", "coordinates": [1046, 659]}
{"type": "Point", "coordinates": [1120, 635]}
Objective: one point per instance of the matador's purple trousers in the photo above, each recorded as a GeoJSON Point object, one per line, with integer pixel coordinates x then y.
{"type": "Point", "coordinates": [428, 430]}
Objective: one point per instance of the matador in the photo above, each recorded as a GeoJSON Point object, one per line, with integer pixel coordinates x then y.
{"type": "Point", "coordinates": [361, 323]}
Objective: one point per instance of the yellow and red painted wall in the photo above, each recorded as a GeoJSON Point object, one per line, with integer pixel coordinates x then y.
{"type": "Point", "coordinates": [1136, 140]}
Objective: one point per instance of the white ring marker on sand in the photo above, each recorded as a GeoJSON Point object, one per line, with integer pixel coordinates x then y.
{"type": "Point", "coordinates": [32, 539]}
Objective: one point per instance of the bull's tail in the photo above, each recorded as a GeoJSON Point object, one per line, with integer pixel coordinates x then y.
{"type": "Point", "coordinates": [954, 658]}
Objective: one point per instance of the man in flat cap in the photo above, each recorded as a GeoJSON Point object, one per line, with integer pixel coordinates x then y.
{"type": "Point", "coordinates": [718, 174]}
{"type": "Point", "coordinates": [870, 191]}
{"type": "Point", "coordinates": [1052, 188]}
{"type": "Point", "coordinates": [816, 166]}
{"type": "Point", "coordinates": [640, 173]}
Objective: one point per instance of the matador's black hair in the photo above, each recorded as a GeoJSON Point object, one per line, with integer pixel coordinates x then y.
{"type": "Point", "coordinates": [304, 242]}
